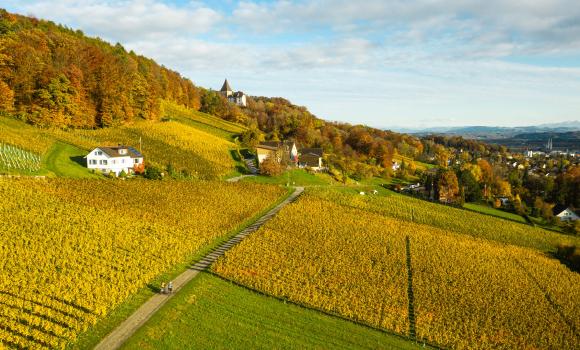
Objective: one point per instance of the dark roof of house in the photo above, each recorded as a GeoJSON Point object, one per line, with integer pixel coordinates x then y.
{"type": "Point", "coordinates": [226, 86]}
{"type": "Point", "coordinates": [312, 151]}
{"type": "Point", "coordinates": [114, 151]}
{"type": "Point", "coordinates": [271, 148]}
{"type": "Point", "coordinates": [311, 160]}
{"type": "Point", "coordinates": [559, 209]}
{"type": "Point", "coordinates": [275, 145]}
{"type": "Point", "coordinates": [238, 94]}
{"type": "Point", "coordinates": [271, 143]}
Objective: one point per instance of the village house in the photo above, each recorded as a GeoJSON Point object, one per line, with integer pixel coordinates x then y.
{"type": "Point", "coordinates": [278, 149]}
{"type": "Point", "coordinates": [115, 159]}
{"type": "Point", "coordinates": [237, 97]}
{"type": "Point", "coordinates": [565, 213]}
{"type": "Point", "coordinates": [311, 158]}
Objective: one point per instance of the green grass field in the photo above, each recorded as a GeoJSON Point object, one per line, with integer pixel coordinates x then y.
{"type": "Point", "coordinates": [211, 313]}
{"type": "Point", "coordinates": [295, 177]}
{"type": "Point", "coordinates": [484, 209]}
{"type": "Point", "coordinates": [65, 160]}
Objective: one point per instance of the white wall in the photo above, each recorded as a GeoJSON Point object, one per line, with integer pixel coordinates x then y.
{"type": "Point", "coordinates": [116, 164]}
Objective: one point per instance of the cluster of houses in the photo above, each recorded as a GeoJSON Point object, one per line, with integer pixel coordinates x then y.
{"type": "Point", "coordinates": [125, 159]}
{"type": "Point", "coordinates": [287, 150]}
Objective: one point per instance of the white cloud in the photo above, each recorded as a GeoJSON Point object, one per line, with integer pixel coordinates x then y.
{"type": "Point", "coordinates": [127, 21]}
{"type": "Point", "coordinates": [374, 61]}
{"type": "Point", "coordinates": [526, 25]}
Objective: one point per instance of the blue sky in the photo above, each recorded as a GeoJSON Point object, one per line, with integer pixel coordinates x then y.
{"type": "Point", "coordinates": [385, 63]}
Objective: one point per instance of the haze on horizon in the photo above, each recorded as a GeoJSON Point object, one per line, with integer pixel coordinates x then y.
{"type": "Point", "coordinates": [379, 62]}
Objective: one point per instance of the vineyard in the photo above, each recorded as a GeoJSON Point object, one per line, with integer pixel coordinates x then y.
{"type": "Point", "coordinates": [112, 238]}
{"type": "Point", "coordinates": [23, 136]}
{"type": "Point", "coordinates": [14, 158]}
{"type": "Point", "coordinates": [205, 122]}
{"type": "Point", "coordinates": [468, 292]}
{"type": "Point", "coordinates": [195, 144]}
{"type": "Point", "coordinates": [449, 218]}
{"type": "Point", "coordinates": [186, 148]}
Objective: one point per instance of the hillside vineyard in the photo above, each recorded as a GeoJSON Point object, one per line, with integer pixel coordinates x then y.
{"type": "Point", "coordinates": [469, 292]}
{"type": "Point", "coordinates": [73, 250]}
{"type": "Point", "coordinates": [187, 149]}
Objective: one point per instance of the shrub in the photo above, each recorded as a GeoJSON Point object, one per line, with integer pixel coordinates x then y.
{"type": "Point", "coordinates": [153, 173]}
{"type": "Point", "coordinates": [271, 167]}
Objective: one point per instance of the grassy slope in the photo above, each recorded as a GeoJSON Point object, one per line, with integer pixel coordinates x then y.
{"type": "Point", "coordinates": [210, 313]}
{"type": "Point", "coordinates": [484, 209]}
{"type": "Point", "coordinates": [65, 160]}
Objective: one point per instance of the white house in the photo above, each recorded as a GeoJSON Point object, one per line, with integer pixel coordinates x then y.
{"type": "Point", "coordinates": [565, 213]}
{"type": "Point", "coordinates": [115, 159]}
{"type": "Point", "coordinates": [237, 97]}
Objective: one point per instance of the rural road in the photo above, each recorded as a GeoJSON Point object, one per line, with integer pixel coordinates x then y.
{"type": "Point", "coordinates": [120, 334]}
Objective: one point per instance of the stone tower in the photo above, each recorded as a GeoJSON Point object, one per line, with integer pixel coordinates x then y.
{"type": "Point", "coordinates": [226, 89]}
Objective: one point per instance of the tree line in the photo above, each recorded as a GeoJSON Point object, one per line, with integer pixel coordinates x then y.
{"type": "Point", "coordinates": [51, 75]}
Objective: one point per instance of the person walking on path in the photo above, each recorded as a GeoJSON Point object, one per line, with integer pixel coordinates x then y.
{"type": "Point", "coordinates": [162, 288]}
{"type": "Point", "coordinates": [170, 287]}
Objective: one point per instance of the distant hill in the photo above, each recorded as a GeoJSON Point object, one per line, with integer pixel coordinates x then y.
{"type": "Point", "coordinates": [495, 132]}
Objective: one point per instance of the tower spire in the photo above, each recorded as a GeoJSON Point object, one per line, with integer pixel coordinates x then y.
{"type": "Point", "coordinates": [226, 87]}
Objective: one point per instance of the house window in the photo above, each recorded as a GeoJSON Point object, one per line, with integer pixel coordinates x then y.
{"type": "Point", "coordinates": [99, 153]}
{"type": "Point", "coordinates": [136, 160]}
{"type": "Point", "coordinates": [123, 161]}
{"type": "Point", "coordinates": [103, 162]}
{"type": "Point", "coordinates": [93, 161]}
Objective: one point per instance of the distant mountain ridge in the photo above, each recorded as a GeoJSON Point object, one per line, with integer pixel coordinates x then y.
{"type": "Point", "coordinates": [495, 132]}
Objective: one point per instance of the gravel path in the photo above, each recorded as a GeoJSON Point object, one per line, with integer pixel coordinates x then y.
{"type": "Point", "coordinates": [120, 334]}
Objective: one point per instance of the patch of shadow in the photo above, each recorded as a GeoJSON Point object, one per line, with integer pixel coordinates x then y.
{"type": "Point", "coordinates": [80, 160]}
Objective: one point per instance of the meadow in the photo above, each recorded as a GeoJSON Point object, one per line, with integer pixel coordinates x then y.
{"type": "Point", "coordinates": [113, 238]}
{"type": "Point", "coordinates": [211, 313]}
{"type": "Point", "coordinates": [469, 292]}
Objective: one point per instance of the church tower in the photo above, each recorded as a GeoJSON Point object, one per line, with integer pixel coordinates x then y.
{"type": "Point", "coordinates": [226, 90]}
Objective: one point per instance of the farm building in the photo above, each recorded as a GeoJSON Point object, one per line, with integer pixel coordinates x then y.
{"type": "Point", "coordinates": [281, 150]}
{"type": "Point", "coordinates": [311, 158]}
{"type": "Point", "coordinates": [565, 213]}
{"type": "Point", "coordinates": [115, 159]}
